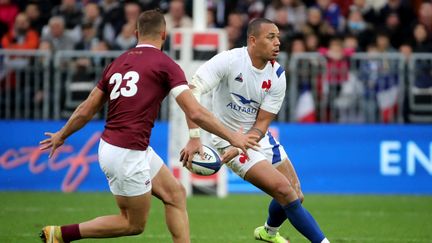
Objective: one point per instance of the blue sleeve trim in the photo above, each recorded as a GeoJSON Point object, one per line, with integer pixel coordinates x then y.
{"type": "Point", "coordinates": [279, 71]}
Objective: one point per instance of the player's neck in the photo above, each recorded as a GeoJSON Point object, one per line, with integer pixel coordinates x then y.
{"type": "Point", "coordinates": [257, 62]}
{"type": "Point", "coordinates": [155, 43]}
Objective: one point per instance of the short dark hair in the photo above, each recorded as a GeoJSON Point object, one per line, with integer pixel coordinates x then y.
{"type": "Point", "coordinates": [254, 26]}
{"type": "Point", "coordinates": [150, 22]}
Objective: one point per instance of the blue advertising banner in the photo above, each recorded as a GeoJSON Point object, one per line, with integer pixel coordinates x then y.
{"type": "Point", "coordinates": [384, 159]}
{"type": "Point", "coordinates": [74, 166]}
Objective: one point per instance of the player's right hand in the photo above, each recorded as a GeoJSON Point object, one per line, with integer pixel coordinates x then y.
{"type": "Point", "coordinates": [230, 153]}
{"type": "Point", "coordinates": [193, 147]}
{"type": "Point", "coordinates": [54, 141]}
{"type": "Point", "coordinates": [245, 141]}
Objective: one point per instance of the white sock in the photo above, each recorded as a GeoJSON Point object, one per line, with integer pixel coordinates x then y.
{"type": "Point", "coordinates": [271, 230]}
{"type": "Point", "coordinates": [325, 241]}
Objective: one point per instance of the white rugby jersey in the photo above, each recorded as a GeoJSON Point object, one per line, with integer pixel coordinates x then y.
{"type": "Point", "coordinates": [240, 89]}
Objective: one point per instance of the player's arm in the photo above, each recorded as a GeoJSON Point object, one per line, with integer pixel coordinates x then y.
{"type": "Point", "coordinates": [194, 144]}
{"type": "Point", "coordinates": [206, 120]}
{"type": "Point", "coordinates": [206, 78]}
{"type": "Point", "coordinates": [262, 123]}
{"type": "Point", "coordinates": [81, 116]}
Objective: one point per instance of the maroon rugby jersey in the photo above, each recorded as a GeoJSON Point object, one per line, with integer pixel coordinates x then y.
{"type": "Point", "coordinates": [136, 83]}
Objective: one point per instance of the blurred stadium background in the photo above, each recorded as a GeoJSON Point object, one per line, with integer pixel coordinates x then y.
{"type": "Point", "coordinates": [356, 122]}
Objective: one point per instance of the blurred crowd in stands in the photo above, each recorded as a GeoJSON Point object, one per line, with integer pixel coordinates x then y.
{"type": "Point", "coordinates": [335, 29]}
{"type": "Point", "coordinates": [382, 25]}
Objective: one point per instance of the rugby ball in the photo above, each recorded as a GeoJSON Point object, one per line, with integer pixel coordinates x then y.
{"type": "Point", "coordinates": [209, 164]}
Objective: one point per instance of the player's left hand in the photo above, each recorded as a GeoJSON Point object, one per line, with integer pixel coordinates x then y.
{"type": "Point", "coordinates": [230, 154]}
{"type": "Point", "coordinates": [54, 141]}
{"type": "Point", "coordinates": [194, 146]}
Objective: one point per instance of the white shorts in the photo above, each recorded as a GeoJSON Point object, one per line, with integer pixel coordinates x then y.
{"type": "Point", "coordinates": [270, 150]}
{"type": "Point", "coordinates": [129, 172]}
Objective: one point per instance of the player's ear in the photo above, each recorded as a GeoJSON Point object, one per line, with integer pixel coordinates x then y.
{"type": "Point", "coordinates": [163, 35]}
{"type": "Point", "coordinates": [251, 39]}
{"type": "Point", "coordinates": [136, 34]}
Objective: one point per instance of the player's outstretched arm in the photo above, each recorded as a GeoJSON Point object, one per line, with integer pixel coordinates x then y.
{"type": "Point", "coordinates": [82, 114]}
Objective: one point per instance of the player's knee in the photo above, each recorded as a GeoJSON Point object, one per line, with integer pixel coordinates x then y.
{"type": "Point", "coordinates": [179, 195]}
{"type": "Point", "coordinates": [283, 192]}
{"type": "Point", "coordinates": [300, 196]}
{"type": "Point", "coordinates": [176, 196]}
{"type": "Point", "coordinates": [136, 229]}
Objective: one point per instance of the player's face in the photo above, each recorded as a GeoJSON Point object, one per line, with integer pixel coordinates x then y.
{"type": "Point", "coordinates": [267, 42]}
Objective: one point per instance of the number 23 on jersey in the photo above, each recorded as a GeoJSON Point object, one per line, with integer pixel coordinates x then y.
{"type": "Point", "coordinates": [131, 78]}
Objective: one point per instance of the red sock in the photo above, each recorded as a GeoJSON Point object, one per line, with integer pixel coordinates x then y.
{"type": "Point", "coordinates": [70, 232]}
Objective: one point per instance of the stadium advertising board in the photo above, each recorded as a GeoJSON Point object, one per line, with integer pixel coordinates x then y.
{"type": "Point", "coordinates": [389, 159]}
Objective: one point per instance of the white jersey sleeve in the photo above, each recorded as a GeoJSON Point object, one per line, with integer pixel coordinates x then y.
{"type": "Point", "coordinates": [213, 71]}
{"type": "Point", "coordinates": [273, 101]}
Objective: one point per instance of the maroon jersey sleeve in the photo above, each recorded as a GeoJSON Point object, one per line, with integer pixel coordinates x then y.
{"type": "Point", "coordinates": [103, 82]}
{"type": "Point", "coordinates": [175, 75]}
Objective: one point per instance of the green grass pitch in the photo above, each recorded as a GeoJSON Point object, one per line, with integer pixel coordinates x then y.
{"type": "Point", "coordinates": [343, 218]}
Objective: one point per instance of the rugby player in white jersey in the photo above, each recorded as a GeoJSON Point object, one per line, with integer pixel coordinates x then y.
{"type": "Point", "coordinates": [248, 90]}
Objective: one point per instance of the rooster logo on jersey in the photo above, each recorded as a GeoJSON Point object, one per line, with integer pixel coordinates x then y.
{"type": "Point", "coordinates": [266, 85]}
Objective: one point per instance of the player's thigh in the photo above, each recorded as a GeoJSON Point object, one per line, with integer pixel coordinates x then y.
{"type": "Point", "coordinates": [135, 208]}
{"type": "Point", "coordinates": [167, 188]}
{"type": "Point", "coordinates": [264, 176]}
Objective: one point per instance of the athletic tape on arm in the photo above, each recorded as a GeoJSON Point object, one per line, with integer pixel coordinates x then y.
{"type": "Point", "coordinates": [178, 89]}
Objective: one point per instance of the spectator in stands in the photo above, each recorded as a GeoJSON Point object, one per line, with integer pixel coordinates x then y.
{"type": "Point", "coordinates": [337, 61]}
{"type": "Point", "coordinates": [367, 11]}
{"type": "Point", "coordinates": [393, 28]}
{"type": "Point", "coordinates": [351, 42]}
{"type": "Point", "coordinates": [112, 12]}
{"type": "Point", "coordinates": [312, 43]}
{"type": "Point", "coordinates": [34, 15]}
{"type": "Point", "coordinates": [286, 30]}
{"type": "Point", "coordinates": [89, 38]}
{"type": "Point", "coordinates": [176, 16]}
{"type": "Point", "coordinates": [335, 76]}
{"type": "Point", "coordinates": [359, 28]}
{"type": "Point", "coordinates": [296, 45]}
{"type": "Point", "coordinates": [233, 36]}
{"type": "Point", "coordinates": [237, 21]}
{"type": "Point", "coordinates": [421, 42]}
{"type": "Point", "coordinates": [382, 43]}
{"type": "Point", "coordinates": [403, 12]}
{"type": "Point", "coordinates": [406, 50]}
{"type": "Point", "coordinates": [253, 8]}
{"type": "Point", "coordinates": [72, 15]}
{"type": "Point", "coordinates": [127, 38]}
{"type": "Point", "coordinates": [8, 12]}
{"type": "Point", "coordinates": [295, 9]}
{"type": "Point", "coordinates": [58, 37]}
{"type": "Point", "coordinates": [331, 13]}
{"type": "Point", "coordinates": [131, 12]}
{"type": "Point", "coordinates": [425, 16]}
{"type": "Point", "coordinates": [211, 21]}
{"type": "Point", "coordinates": [21, 36]}
{"type": "Point", "coordinates": [316, 26]}
{"type": "Point", "coordinates": [92, 15]}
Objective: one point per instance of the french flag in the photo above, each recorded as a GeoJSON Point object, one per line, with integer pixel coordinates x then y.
{"type": "Point", "coordinates": [305, 110]}
{"type": "Point", "coordinates": [387, 100]}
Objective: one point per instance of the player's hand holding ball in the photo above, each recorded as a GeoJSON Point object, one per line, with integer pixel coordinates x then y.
{"type": "Point", "coordinates": [200, 159]}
